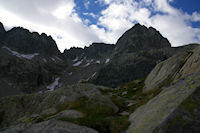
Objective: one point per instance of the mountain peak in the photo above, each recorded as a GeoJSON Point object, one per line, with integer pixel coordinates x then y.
{"type": "Point", "coordinates": [2, 30]}
{"type": "Point", "coordinates": [139, 37]}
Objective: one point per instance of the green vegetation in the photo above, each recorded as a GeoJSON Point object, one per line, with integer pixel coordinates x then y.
{"type": "Point", "coordinates": [100, 116]}
{"type": "Point", "coordinates": [134, 91]}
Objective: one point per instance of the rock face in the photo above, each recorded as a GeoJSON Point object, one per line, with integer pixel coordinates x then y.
{"type": "Point", "coordinates": [185, 118]}
{"type": "Point", "coordinates": [141, 38]}
{"type": "Point", "coordinates": [180, 65]}
{"type": "Point", "coordinates": [191, 65]}
{"type": "Point", "coordinates": [175, 109]}
{"type": "Point", "coordinates": [148, 117]}
{"type": "Point", "coordinates": [165, 71]}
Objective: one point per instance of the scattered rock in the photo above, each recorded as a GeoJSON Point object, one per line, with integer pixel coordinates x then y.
{"type": "Point", "coordinates": [124, 93]}
{"type": "Point", "coordinates": [124, 113]}
{"type": "Point", "coordinates": [70, 114]}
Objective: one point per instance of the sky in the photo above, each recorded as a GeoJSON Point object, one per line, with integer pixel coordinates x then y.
{"type": "Point", "coordinates": [78, 23]}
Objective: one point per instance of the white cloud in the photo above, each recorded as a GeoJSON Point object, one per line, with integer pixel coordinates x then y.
{"type": "Point", "coordinates": [58, 18]}
{"type": "Point", "coordinates": [195, 16]}
{"type": "Point", "coordinates": [164, 6]}
{"type": "Point", "coordinates": [64, 10]}
{"type": "Point", "coordinates": [172, 23]}
{"type": "Point", "coordinates": [90, 14]}
{"type": "Point", "coordinates": [86, 4]}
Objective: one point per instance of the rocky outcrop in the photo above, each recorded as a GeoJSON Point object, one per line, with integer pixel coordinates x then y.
{"type": "Point", "coordinates": [165, 72]}
{"type": "Point", "coordinates": [178, 66]}
{"type": "Point", "coordinates": [157, 111]}
{"type": "Point", "coordinates": [191, 65]}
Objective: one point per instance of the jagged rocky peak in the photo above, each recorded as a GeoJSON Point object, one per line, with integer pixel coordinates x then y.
{"type": "Point", "coordinates": [140, 37]}
{"type": "Point", "coordinates": [23, 41]}
{"type": "Point", "coordinates": [73, 52]}
{"type": "Point", "coordinates": [2, 30]}
{"type": "Point", "coordinates": [95, 50]}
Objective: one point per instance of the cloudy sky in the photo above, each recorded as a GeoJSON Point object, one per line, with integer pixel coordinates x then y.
{"type": "Point", "coordinates": [81, 22]}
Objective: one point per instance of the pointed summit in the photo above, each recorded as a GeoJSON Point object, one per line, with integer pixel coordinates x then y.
{"type": "Point", "coordinates": [2, 30]}
{"type": "Point", "coordinates": [140, 37]}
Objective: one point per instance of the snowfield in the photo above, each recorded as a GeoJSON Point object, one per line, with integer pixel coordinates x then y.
{"type": "Point", "coordinates": [26, 56]}
{"type": "Point", "coordinates": [52, 86]}
{"type": "Point", "coordinates": [78, 63]}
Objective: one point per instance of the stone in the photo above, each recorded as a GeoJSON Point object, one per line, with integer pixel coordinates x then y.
{"type": "Point", "coordinates": [124, 113]}
{"type": "Point", "coordinates": [70, 114]}
{"type": "Point", "coordinates": [165, 71]}
{"type": "Point", "coordinates": [48, 112]}
{"type": "Point", "coordinates": [151, 115]}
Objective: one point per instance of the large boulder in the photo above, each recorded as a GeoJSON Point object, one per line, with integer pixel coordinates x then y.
{"type": "Point", "coordinates": [178, 66]}
{"type": "Point", "coordinates": [165, 71]}
{"type": "Point", "coordinates": [149, 117]}
{"type": "Point", "coordinates": [191, 65]}
{"type": "Point", "coordinates": [185, 119]}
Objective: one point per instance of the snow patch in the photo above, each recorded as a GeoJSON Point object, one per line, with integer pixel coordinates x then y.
{"type": "Point", "coordinates": [93, 74]}
{"type": "Point", "coordinates": [70, 73]}
{"type": "Point", "coordinates": [86, 64]}
{"type": "Point", "coordinates": [44, 60]}
{"type": "Point", "coordinates": [107, 60]}
{"type": "Point", "coordinates": [53, 59]}
{"type": "Point", "coordinates": [78, 63]}
{"type": "Point", "coordinates": [26, 56]}
{"type": "Point", "coordinates": [98, 62]}
{"type": "Point", "coordinates": [58, 58]}
{"type": "Point", "coordinates": [52, 86]}
{"type": "Point", "coordinates": [76, 59]}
